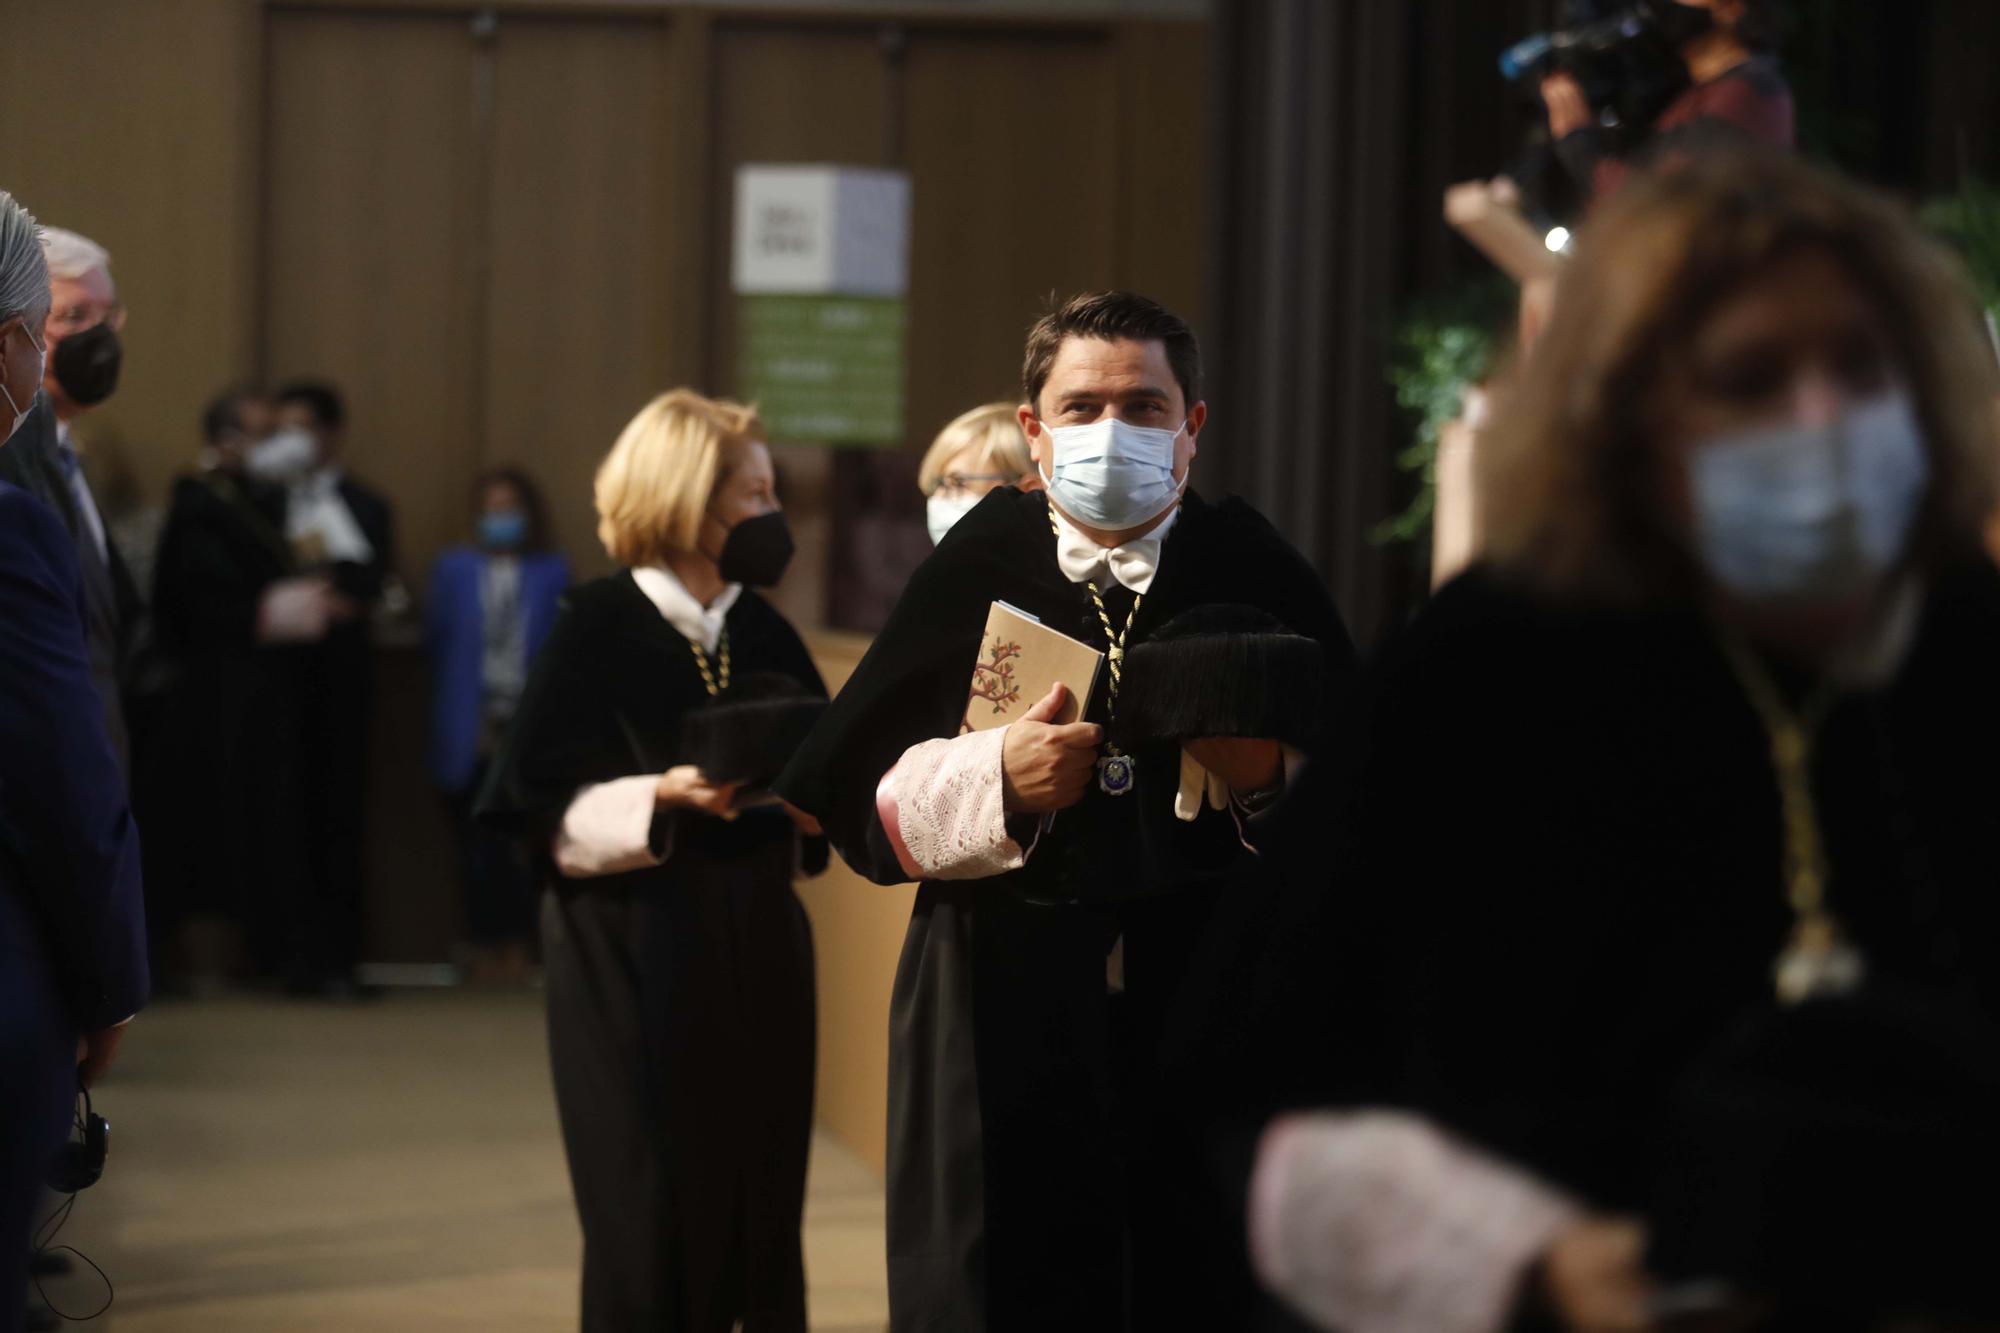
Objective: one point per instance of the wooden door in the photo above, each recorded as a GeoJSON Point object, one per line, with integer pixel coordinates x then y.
{"type": "Point", "coordinates": [576, 336]}
{"type": "Point", "coordinates": [372, 173]}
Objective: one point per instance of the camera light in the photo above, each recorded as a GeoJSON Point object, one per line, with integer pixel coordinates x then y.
{"type": "Point", "coordinates": [1557, 240]}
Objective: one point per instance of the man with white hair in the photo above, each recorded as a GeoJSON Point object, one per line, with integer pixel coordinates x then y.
{"type": "Point", "coordinates": [72, 920]}
{"type": "Point", "coordinates": [80, 335]}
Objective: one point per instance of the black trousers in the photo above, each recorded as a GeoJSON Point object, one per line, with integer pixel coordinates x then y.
{"type": "Point", "coordinates": [681, 1034]}
{"type": "Point", "coordinates": [339, 706]}
{"type": "Point", "coordinates": [495, 877]}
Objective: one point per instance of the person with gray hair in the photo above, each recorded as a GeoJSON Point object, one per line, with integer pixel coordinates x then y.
{"type": "Point", "coordinates": [72, 919]}
{"type": "Point", "coordinates": [79, 332]}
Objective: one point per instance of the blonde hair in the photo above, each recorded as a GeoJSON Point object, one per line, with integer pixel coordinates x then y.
{"type": "Point", "coordinates": [654, 486]}
{"type": "Point", "coordinates": [1568, 477]}
{"type": "Point", "coordinates": [994, 429]}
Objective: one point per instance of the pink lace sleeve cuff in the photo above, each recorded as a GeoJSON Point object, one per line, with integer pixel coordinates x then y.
{"type": "Point", "coordinates": [608, 829]}
{"type": "Point", "coordinates": [1379, 1222]}
{"type": "Point", "coordinates": [942, 807]}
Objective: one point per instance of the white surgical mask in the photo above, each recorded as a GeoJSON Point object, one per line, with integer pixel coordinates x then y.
{"type": "Point", "coordinates": [21, 410]}
{"type": "Point", "coordinates": [1111, 474]}
{"type": "Point", "coordinates": [942, 511]}
{"type": "Point", "coordinates": [1805, 514]}
{"type": "Point", "coordinates": [283, 458]}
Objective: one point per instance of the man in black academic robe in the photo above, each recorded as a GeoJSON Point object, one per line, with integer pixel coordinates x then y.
{"type": "Point", "coordinates": [234, 619]}
{"type": "Point", "coordinates": [1044, 1173]}
{"type": "Point", "coordinates": [346, 530]}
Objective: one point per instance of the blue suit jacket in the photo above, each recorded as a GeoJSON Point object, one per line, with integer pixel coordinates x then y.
{"type": "Point", "coordinates": [457, 644]}
{"type": "Point", "coordinates": [71, 909]}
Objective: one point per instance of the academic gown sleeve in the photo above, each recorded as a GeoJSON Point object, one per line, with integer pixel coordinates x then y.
{"type": "Point", "coordinates": [207, 596]}
{"type": "Point", "coordinates": [910, 687]}
{"type": "Point", "coordinates": [567, 733]}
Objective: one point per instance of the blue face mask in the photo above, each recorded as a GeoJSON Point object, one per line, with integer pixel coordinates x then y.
{"type": "Point", "coordinates": [503, 529]}
{"type": "Point", "coordinates": [1110, 474]}
{"type": "Point", "coordinates": [1799, 515]}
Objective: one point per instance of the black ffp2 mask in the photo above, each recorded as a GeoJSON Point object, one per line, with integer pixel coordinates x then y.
{"type": "Point", "coordinates": [86, 364]}
{"type": "Point", "coordinates": [756, 551]}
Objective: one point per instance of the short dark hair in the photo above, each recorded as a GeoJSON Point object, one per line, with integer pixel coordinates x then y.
{"type": "Point", "coordinates": [328, 409]}
{"type": "Point", "coordinates": [533, 508]}
{"type": "Point", "coordinates": [1120, 315]}
{"type": "Point", "coordinates": [224, 414]}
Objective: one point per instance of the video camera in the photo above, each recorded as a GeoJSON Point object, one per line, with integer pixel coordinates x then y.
{"type": "Point", "coordinates": [1620, 54]}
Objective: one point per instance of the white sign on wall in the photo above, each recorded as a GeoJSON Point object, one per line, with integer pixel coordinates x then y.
{"type": "Point", "coordinates": [821, 230]}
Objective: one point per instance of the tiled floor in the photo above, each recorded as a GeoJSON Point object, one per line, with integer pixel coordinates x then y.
{"type": "Point", "coordinates": [390, 1166]}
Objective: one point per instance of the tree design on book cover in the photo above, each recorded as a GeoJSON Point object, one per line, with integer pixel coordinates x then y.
{"type": "Point", "coordinates": [993, 678]}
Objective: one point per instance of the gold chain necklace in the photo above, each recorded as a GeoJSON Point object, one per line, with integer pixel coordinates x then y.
{"type": "Point", "coordinates": [1116, 770]}
{"type": "Point", "coordinates": [1817, 960]}
{"type": "Point", "coordinates": [717, 678]}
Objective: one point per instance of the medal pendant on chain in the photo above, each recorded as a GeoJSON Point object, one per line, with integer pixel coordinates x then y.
{"type": "Point", "coordinates": [1115, 774]}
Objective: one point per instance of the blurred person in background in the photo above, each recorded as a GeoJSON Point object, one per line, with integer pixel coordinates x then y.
{"type": "Point", "coordinates": [1709, 733]}
{"type": "Point", "coordinates": [236, 618]}
{"type": "Point", "coordinates": [490, 609]}
{"type": "Point", "coordinates": [977, 453]}
{"type": "Point", "coordinates": [45, 457]}
{"type": "Point", "coordinates": [1737, 93]}
{"type": "Point", "coordinates": [678, 959]}
{"type": "Point", "coordinates": [73, 967]}
{"type": "Point", "coordinates": [342, 529]}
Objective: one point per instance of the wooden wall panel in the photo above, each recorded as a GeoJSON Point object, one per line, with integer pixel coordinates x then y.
{"type": "Point", "coordinates": [1011, 138]}
{"type": "Point", "coordinates": [1161, 213]}
{"type": "Point", "coordinates": [135, 123]}
{"type": "Point", "coordinates": [372, 282]}
{"type": "Point", "coordinates": [576, 316]}
{"type": "Point", "coordinates": [786, 94]}
{"type": "Point", "coordinates": [371, 182]}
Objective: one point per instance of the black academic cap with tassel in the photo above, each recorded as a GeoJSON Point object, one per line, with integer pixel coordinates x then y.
{"type": "Point", "coordinates": [748, 734]}
{"type": "Point", "coordinates": [1222, 669]}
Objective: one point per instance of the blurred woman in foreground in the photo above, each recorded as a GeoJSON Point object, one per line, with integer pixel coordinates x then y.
{"type": "Point", "coordinates": [1707, 737]}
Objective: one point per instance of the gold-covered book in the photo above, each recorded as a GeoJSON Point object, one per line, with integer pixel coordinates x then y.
{"type": "Point", "coordinates": [1020, 658]}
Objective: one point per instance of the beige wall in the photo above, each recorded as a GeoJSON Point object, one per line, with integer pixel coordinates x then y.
{"type": "Point", "coordinates": [500, 246]}
{"type": "Point", "coordinates": [858, 932]}
{"type": "Point", "coordinates": [136, 123]}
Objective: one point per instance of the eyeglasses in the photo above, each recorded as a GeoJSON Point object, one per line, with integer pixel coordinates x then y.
{"type": "Point", "coordinates": [954, 482]}
{"type": "Point", "coordinates": [86, 315]}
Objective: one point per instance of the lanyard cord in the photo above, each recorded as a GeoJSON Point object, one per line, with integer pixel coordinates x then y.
{"type": "Point", "coordinates": [1114, 657]}
{"type": "Point", "coordinates": [715, 678]}
{"type": "Point", "coordinates": [1817, 959]}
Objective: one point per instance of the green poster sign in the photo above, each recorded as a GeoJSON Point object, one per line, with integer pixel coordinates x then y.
{"type": "Point", "coordinates": [825, 369]}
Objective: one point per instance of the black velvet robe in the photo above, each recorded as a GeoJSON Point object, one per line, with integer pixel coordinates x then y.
{"type": "Point", "coordinates": [221, 746]}
{"type": "Point", "coordinates": [681, 1007]}
{"type": "Point", "coordinates": [1041, 1176]}
{"type": "Point", "coordinates": [1556, 879]}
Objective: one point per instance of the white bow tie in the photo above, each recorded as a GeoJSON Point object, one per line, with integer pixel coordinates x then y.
{"type": "Point", "coordinates": [1133, 565]}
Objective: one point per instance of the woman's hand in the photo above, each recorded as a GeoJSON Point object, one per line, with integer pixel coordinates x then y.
{"type": "Point", "coordinates": [1594, 1277]}
{"type": "Point", "coordinates": [806, 823]}
{"type": "Point", "coordinates": [1569, 109]}
{"type": "Point", "coordinates": [685, 787]}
